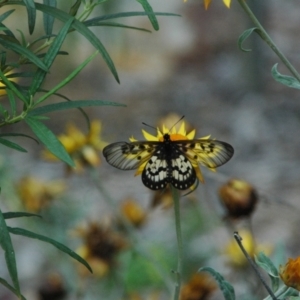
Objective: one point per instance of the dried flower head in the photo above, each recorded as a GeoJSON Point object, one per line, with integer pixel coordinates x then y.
{"type": "Point", "coordinates": [290, 273]}
{"type": "Point", "coordinates": [238, 197]}
{"type": "Point", "coordinates": [100, 249]}
{"type": "Point", "coordinates": [53, 288]}
{"type": "Point", "coordinates": [199, 287]}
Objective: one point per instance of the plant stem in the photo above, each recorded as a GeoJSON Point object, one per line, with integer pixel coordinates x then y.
{"type": "Point", "coordinates": [178, 273]}
{"type": "Point", "coordinates": [264, 35]}
{"type": "Point", "coordinates": [253, 265]}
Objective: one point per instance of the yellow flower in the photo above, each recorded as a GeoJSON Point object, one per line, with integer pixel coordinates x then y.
{"type": "Point", "coordinates": [36, 194]}
{"type": "Point", "coordinates": [235, 255]}
{"type": "Point", "coordinates": [100, 249]}
{"type": "Point", "coordinates": [290, 273]}
{"type": "Point", "coordinates": [207, 3]}
{"type": "Point", "coordinates": [175, 135]}
{"type": "Point", "coordinates": [199, 287]}
{"type": "Point", "coordinates": [133, 212]}
{"type": "Point", "coordinates": [83, 148]}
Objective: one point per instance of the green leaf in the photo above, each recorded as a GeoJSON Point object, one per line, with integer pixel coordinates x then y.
{"type": "Point", "coordinates": [265, 263]}
{"type": "Point", "coordinates": [284, 79]}
{"type": "Point", "coordinates": [114, 24]}
{"type": "Point", "coordinates": [12, 145]}
{"type": "Point", "coordinates": [82, 29]}
{"type": "Point", "coordinates": [148, 9]}
{"type": "Point", "coordinates": [95, 21]}
{"type": "Point", "coordinates": [48, 20]}
{"type": "Point", "coordinates": [245, 35]}
{"type": "Point", "coordinates": [6, 245]}
{"type": "Point", "coordinates": [61, 247]}
{"type": "Point", "coordinates": [23, 51]}
{"type": "Point", "coordinates": [226, 288]}
{"type": "Point", "coordinates": [71, 104]}
{"type": "Point", "coordinates": [74, 9]}
{"type": "Point", "coordinates": [66, 80]}
{"type": "Point", "coordinates": [12, 101]}
{"type": "Point", "coordinates": [50, 56]}
{"type": "Point", "coordinates": [31, 12]}
{"type": "Point", "coordinates": [2, 18]}
{"type": "Point", "coordinates": [6, 14]}
{"type": "Point", "coordinates": [11, 215]}
{"type": "Point", "coordinates": [48, 138]}
{"type": "Point", "coordinates": [19, 134]}
{"type": "Point", "coordinates": [7, 285]}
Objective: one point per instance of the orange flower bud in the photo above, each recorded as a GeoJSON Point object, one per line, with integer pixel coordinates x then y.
{"type": "Point", "coordinates": [290, 273]}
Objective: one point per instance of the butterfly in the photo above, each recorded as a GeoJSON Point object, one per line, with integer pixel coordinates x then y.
{"type": "Point", "coordinates": [168, 162]}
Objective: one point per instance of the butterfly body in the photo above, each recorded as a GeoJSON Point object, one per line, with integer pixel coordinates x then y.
{"type": "Point", "coordinates": [168, 161]}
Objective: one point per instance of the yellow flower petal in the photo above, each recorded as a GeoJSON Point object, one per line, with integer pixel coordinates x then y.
{"type": "Point", "coordinates": [149, 137]}
{"type": "Point", "coordinates": [206, 3]}
{"type": "Point", "coordinates": [182, 129]}
{"type": "Point", "coordinates": [227, 3]}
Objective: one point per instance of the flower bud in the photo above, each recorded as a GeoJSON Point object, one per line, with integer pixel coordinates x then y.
{"type": "Point", "coordinates": [238, 197]}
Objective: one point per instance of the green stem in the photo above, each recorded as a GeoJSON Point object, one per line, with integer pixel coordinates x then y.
{"type": "Point", "coordinates": [264, 35]}
{"type": "Point", "coordinates": [176, 199]}
{"type": "Point", "coordinates": [253, 265]}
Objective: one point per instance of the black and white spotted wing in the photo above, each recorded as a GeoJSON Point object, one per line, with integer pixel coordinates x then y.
{"type": "Point", "coordinates": [168, 162]}
{"type": "Point", "coordinates": [168, 165]}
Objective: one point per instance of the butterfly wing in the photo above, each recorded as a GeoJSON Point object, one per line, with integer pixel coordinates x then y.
{"type": "Point", "coordinates": [156, 174]}
{"type": "Point", "coordinates": [129, 156]}
{"type": "Point", "coordinates": [210, 153]}
{"type": "Point", "coordinates": [168, 167]}
{"type": "Point", "coordinates": [183, 172]}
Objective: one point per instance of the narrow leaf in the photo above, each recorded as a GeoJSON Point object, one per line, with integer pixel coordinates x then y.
{"type": "Point", "coordinates": [96, 20]}
{"type": "Point", "coordinates": [71, 104]}
{"type": "Point", "coordinates": [82, 29]}
{"type": "Point", "coordinates": [265, 263]}
{"type": "Point", "coordinates": [2, 18]}
{"type": "Point", "coordinates": [31, 12]}
{"type": "Point", "coordinates": [61, 247]}
{"type": "Point", "coordinates": [6, 245]}
{"type": "Point", "coordinates": [74, 9]}
{"type": "Point", "coordinates": [226, 288]}
{"type": "Point", "coordinates": [147, 7]}
{"type": "Point", "coordinates": [12, 101]}
{"type": "Point", "coordinates": [11, 215]}
{"type": "Point", "coordinates": [114, 24]}
{"type": "Point", "coordinates": [23, 51]}
{"type": "Point", "coordinates": [244, 36]}
{"type": "Point", "coordinates": [67, 79]}
{"type": "Point", "coordinates": [48, 138]}
{"type": "Point", "coordinates": [284, 79]}
{"type": "Point", "coordinates": [6, 14]}
{"type": "Point", "coordinates": [49, 20]}
{"type": "Point", "coordinates": [50, 56]}
{"type": "Point", "coordinates": [12, 145]}
{"type": "Point", "coordinates": [8, 286]}
{"type": "Point", "coordinates": [19, 134]}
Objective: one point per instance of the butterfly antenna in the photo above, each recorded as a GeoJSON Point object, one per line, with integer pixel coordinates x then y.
{"type": "Point", "coordinates": [176, 123]}
{"type": "Point", "coordinates": [148, 125]}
